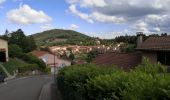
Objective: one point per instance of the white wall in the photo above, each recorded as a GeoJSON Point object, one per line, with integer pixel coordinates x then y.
{"type": "Point", "coordinates": [4, 45]}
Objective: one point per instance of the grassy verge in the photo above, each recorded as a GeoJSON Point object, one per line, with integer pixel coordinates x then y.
{"type": "Point", "coordinates": [14, 64]}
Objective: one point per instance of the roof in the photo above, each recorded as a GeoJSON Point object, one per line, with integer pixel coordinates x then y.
{"type": "Point", "coordinates": [3, 39]}
{"type": "Point", "coordinates": [38, 53]}
{"type": "Point", "coordinates": [2, 50]}
{"type": "Point", "coordinates": [156, 44]}
{"type": "Point", "coordinates": [125, 61]}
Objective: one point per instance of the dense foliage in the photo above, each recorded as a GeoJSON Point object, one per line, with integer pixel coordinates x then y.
{"type": "Point", "coordinates": [89, 82]}
{"type": "Point", "coordinates": [128, 48]}
{"type": "Point", "coordinates": [62, 37]}
{"type": "Point", "coordinates": [91, 55]}
{"type": "Point", "coordinates": [26, 43]}
{"type": "Point", "coordinates": [16, 64]}
{"type": "Point", "coordinates": [16, 52]}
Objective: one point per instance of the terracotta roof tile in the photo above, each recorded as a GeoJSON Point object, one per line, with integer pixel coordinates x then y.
{"type": "Point", "coordinates": [38, 53]}
{"type": "Point", "coordinates": [124, 60]}
{"type": "Point", "coordinates": [155, 43]}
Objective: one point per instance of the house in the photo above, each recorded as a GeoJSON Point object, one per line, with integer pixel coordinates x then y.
{"type": "Point", "coordinates": [51, 60]}
{"type": "Point", "coordinates": [125, 61]}
{"type": "Point", "coordinates": [3, 50]}
{"type": "Point", "coordinates": [156, 49]}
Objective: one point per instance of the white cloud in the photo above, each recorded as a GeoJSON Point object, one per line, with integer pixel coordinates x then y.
{"type": "Point", "coordinates": [106, 18]}
{"type": "Point", "coordinates": [140, 26]}
{"type": "Point", "coordinates": [74, 27]}
{"type": "Point", "coordinates": [46, 27]}
{"type": "Point", "coordinates": [2, 1]}
{"type": "Point", "coordinates": [91, 3]}
{"type": "Point", "coordinates": [25, 15]}
{"type": "Point", "coordinates": [156, 29]}
{"type": "Point", "coordinates": [84, 16]}
{"type": "Point", "coordinates": [141, 15]}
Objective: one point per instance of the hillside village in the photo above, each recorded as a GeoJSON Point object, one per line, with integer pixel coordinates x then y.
{"type": "Point", "coordinates": [125, 53]}
{"type": "Point", "coordinates": [113, 54]}
{"type": "Point", "coordinates": [85, 50]}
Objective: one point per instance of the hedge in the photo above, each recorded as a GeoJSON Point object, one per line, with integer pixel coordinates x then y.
{"type": "Point", "coordinates": [91, 82]}
{"type": "Point", "coordinates": [72, 80]}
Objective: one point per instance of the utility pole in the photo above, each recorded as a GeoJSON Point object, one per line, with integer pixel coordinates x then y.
{"type": "Point", "coordinates": [54, 66]}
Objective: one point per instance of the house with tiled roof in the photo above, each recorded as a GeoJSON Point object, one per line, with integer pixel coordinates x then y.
{"type": "Point", "coordinates": [51, 60]}
{"type": "Point", "coordinates": [156, 49]}
{"type": "Point", "coordinates": [124, 61]}
{"type": "Point", "coordinates": [3, 50]}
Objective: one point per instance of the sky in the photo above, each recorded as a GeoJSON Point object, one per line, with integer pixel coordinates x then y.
{"type": "Point", "coordinates": [97, 18]}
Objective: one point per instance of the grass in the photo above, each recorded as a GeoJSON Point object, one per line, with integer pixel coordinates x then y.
{"type": "Point", "coordinates": [13, 64]}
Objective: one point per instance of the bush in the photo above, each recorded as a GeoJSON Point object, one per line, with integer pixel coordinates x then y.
{"type": "Point", "coordinates": [27, 67]}
{"type": "Point", "coordinates": [72, 80]}
{"type": "Point", "coordinates": [14, 50]}
{"type": "Point", "coordinates": [31, 59]}
{"type": "Point", "coordinates": [89, 82]}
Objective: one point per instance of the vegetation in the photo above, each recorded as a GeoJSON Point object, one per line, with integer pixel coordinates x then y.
{"type": "Point", "coordinates": [26, 43]}
{"type": "Point", "coordinates": [16, 52]}
{"type": "Point", "coordinates": [19, 46]}
{"type": "Point", "coordinates": [89, 82]}
{"type": "Point", "coordinates": [62, 37]}
{"type": "Point", "coordinates": [128, 48]}
{"type": "Point", "coordinates": [91, 55]}
{"type": "Point", "coordinates": [15, 64]}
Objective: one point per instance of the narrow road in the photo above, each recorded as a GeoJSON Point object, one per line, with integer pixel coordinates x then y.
{"type": "Point", "coordinates": [24, 88]}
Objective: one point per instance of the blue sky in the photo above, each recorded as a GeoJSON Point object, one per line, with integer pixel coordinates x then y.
{"type": "Point", "coordinates": [103, 18]}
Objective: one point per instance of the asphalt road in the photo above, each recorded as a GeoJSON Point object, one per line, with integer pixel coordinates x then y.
{"type": "Point", "coordinates": [28, 88]}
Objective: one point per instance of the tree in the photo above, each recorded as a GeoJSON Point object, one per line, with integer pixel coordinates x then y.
{"type": "Point", "coordinates": [91, 55]}
{"type": "Point", "coordinates": [15, 50]}
{"type": "Point", "coordinates": [72, 57]}
{"type": "Point", "coordinates": [20, 39]}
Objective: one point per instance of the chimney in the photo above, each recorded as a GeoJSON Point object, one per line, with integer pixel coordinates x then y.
{"type": "Point", "coordinates": [139, 38]}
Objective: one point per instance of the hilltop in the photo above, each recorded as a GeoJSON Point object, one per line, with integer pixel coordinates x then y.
{"type": "Point", "coordinates": [62, 37]}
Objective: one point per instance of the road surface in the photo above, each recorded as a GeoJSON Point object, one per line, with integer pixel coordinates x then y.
{"type": "Point", "coordinates": [23, 88]}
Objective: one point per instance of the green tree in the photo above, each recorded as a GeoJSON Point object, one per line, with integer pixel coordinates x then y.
{"type": "Point", "coordinates": [20, 39]}
{"type": "Point", "coordinates": [91, 55]}
{"type": "Point", "coordinates": [15, 50]}
{"type": "Point", "coordinates": [72, 57]}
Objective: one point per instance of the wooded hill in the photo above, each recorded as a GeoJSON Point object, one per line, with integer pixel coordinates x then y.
{"type": "Point", "coordinates": [62, 37]}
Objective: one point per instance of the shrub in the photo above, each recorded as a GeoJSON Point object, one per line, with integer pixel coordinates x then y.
{"type": "Point", "coordinates": [27, 67]}
{"type": "Point", "coordinates": [14, 50]}
{"type": "Point", "coordinates": [89, 82]}
{"type": "Point", "coordinates": [72, 80]}
{"type": "Point", "coordinates": [29, 58]}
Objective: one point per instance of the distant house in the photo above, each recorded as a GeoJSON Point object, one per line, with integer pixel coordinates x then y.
{"type": "Point", "coordinates": [125, 61]}
{"type": "Point", "coordinates": [51, 60]}
{"type": "Point", "coordinates": [156, 49]}
{"type": "Point", "coordinates": [3, 50]}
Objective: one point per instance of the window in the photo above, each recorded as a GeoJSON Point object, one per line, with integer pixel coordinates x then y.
{"type": "Point", "coordinates": [163, 58]}
{"type": "Point", "coordinates": [2, 57]}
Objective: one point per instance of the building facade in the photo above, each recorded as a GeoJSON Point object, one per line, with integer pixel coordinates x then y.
{"type": "Point", "coordinates": [52, 61]}
{"type": "Point", "coordinates": [156, 49]}
{"type": "Point", "coordinates": [3, 51]}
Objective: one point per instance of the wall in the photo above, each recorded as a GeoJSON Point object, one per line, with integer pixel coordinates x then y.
{"type": "Point", "coordinates": [49, 60]}
{"type": "Point", "coordinates": [151, 55]}
{"type": "Point", "coordinates": [4, 45]}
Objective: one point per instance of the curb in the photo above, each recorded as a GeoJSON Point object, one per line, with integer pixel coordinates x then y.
{"type": "Point", "coordinates": [45, 93]}
{"type": "Point", "coordinates": [10, 78]}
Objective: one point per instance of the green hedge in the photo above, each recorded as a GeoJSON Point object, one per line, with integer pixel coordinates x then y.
{"type": "Point", "coordinates": [16, 64]}
{"type": "Point", "coordinates": [88, 82]}
{"type": "Point", "coordinates": [28, 67]}
{"type": "Point", "coordinates": [16, 51]}
{"type": "Point", "coordinates": [72, 80]}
